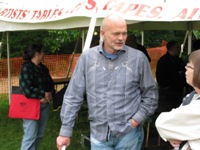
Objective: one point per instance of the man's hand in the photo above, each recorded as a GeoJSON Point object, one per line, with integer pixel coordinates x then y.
{"type": "Point", "coordinates": [48, 96]}
{"type": "Point", "coordinates": [134, 123]}
{"type": "Point", "coordinates": [175, 143]}
{"type": "Point", "coordinates": [62, 140]}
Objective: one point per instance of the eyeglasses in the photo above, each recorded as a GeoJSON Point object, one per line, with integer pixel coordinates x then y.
{"type": "Point", "coordinates": [188, 66]}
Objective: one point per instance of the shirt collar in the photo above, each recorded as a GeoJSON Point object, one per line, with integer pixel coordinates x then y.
{"type": "Point", "coordinates": [111, 56]}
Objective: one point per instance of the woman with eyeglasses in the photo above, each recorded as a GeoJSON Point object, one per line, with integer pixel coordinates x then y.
{"type": "Point", "coordinates": [181, 126]}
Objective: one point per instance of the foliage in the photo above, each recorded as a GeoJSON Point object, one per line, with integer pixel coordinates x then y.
{"type": "Point", "coordinates": [154, 38]}
{"type": "Point", "coordinates": [53, 41]}
{"type": "Point", "coordinates": [63, 41]}
{"type": "Point", "coordinates": [58, 40]}
{"type": "Point", "coordinates": [196, 34]}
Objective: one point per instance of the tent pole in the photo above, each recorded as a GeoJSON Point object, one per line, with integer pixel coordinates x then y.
{"type": "Point", "coordinates": [142, 33]}
{"type": "Point", "coordinates": [83, 38]}
{"type": "Point", "coordinates": [8, 61]}
{"type": "Point", "coordinates": [90, 33]}
{"type": "Point", "coordinates": [189, 41]}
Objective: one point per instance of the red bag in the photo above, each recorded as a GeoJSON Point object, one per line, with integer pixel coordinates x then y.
{"type": "Point", "coordinates": [22, 107]}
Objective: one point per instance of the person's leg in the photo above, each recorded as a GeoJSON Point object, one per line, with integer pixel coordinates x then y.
{"type": "Point", "coordinates": [30, 132]}
{"type": "Point", "coordinates": [132, 140]}
{"type": "Point", "coordinates": [97, 145]}
{"type": "Point", "coordinates": [44, 114]}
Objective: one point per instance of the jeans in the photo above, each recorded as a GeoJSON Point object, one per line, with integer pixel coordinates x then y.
{"type": "Point", "coordinates": [34, 129]}
{"type": "Point", "coordinates": [131, 141]}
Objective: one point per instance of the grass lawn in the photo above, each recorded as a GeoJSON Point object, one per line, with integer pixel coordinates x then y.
{"type": "Point", "coordinates": [11, 131]}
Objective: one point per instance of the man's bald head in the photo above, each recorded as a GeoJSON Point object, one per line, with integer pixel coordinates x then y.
{"type": "Point", "coordinates": [113, 33]}
{"type": "Point", "coordinates": [111, 19]}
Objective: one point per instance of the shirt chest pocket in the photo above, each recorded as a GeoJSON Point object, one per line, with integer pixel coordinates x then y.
{"type": "Point", "coordinates": [126, 76]}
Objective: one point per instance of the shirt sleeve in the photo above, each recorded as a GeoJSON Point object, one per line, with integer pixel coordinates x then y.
{"type": "Point", "coordinates": [181, 123]}
{"type": "Point", "coordinates": [149, 92]}
{"type": "Point", "coordinates": [73, 99]}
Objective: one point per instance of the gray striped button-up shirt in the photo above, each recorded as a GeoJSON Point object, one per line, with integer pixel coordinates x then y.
{"type": "Point", "coordinates": [117, 90]}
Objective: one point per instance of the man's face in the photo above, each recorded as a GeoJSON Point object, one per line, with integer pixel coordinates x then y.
{"type": "Point", "coordinates": [114, 37]}
{"type": "Point", "coordinates": [177, 48]}
{"type": "Point", "coordinates": [41, 56]}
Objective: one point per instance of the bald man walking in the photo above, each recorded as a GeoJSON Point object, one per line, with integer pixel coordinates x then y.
{"type": "Point", "coordinates": [120, 89]}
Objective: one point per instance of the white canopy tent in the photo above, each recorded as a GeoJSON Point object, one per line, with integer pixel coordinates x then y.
{"type": "Point", "coordinates": [62, 14]}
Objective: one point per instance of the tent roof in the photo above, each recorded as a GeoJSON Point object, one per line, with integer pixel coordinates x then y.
{"type": "Point", "coordinates": [62, 14]}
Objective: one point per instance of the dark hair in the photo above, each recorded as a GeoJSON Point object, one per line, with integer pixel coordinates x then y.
{"type": "Point", "coordinates": [194, 59]}
{"type": "Point", "coordinates": [31, 50]}
{"type": "Point", "coordinates": [170, 44]}
{"type": "Point", "coordinates": [196, 44]}
{"type": "Point", "coordinates": [131, 40]}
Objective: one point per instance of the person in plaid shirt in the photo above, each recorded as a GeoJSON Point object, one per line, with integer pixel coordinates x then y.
{"type": "Point", "coordinates": [35, 82]}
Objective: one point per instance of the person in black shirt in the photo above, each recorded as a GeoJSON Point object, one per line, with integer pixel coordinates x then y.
{"type": "Point", "coordinates": [35, 82]}
{"type": "Point", "coordinates": [170, 76]}
{"type": "Point", "coordinates": [132, 42]}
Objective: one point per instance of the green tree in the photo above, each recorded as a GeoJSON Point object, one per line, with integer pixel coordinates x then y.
{"type": "Point", "coordinates": [196, 34]}
{"type": "Point", "coordinates": [57, 41]}
{"type": "Point", "coordinates": [63, 41]}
